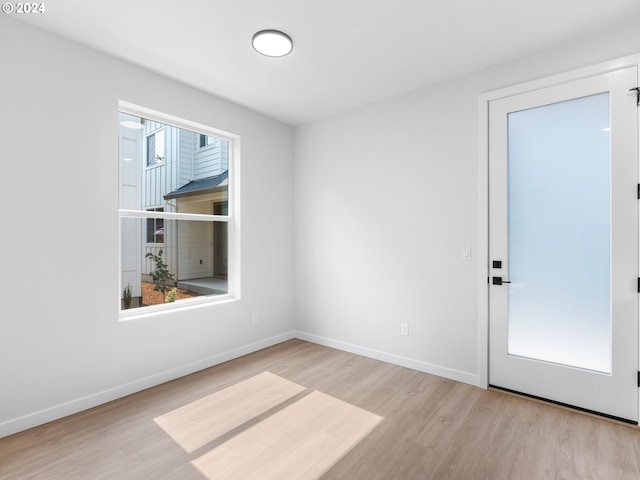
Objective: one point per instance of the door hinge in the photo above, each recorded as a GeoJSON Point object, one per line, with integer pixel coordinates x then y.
{"type": "Point", "coordinates": [637, 90]}
{"type": "Point", "coordinates": [639, 191]}
{"type": "Point", "coordinates": [638, 285]}
{"type": "Point", "coordinates": [638, 379]}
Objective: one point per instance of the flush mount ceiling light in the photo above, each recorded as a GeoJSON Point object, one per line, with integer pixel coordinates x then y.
{"type": "Point", "coordinates": [272, 43]}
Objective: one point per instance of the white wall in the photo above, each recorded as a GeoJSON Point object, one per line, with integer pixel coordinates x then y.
{"type": "Point", "coordinates": [62, 347]}
{"type": "Point", "coordinates": [386, 198]}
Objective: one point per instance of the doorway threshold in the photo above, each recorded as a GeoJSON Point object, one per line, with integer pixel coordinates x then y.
{"type": "Point", "coordinates": [566, 406]}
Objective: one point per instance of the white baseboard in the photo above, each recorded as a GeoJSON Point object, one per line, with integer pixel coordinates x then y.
{"type": "Point", "coordinates": [457, 375]}
{"type": "Point", "coordinates": [59, 411]}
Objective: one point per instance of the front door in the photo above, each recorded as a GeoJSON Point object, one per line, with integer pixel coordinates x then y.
{"type": "Point", "coordinates": [563, 265]}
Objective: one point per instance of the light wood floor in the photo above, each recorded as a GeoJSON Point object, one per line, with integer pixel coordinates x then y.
{"type": "Point", "coordinates": [433, 428]}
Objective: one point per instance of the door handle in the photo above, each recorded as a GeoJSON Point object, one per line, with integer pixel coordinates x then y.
{"type": "Point", "coordinates": [499, 281]}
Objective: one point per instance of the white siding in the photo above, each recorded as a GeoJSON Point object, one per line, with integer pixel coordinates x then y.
{"type": "Point", "coordinates": [190, 243]}
{"type": "Point", "coordinates": [158, 180]}
{"type": "Point", "coordinates": [224, 156]}
{"type": "Point", "coordinates": [130, 256]}
{"type": "Point", "coordinates": [153, 186]}
{"type": "Point", "coordinates": [187, 149]}
{"type": "Point", "coordinates": [168, 252]}
{"type": "Point", "coordinates": [162, 178]}
{"type": "Point", "coordinates": [195, 245]}
{"type": "Point", "coordinates": [129, 171]}
{"type": "Point", "coordinates": [211, 160]}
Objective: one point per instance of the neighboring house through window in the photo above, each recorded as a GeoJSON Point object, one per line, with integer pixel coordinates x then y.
{"type": "Point", "coordinates": [177, 218]}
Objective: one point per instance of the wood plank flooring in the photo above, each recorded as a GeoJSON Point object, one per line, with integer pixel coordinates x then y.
{"type": "Point", "coordinates": [303, 440]}
{"type": "Point", "coordinates": [432, 428]}
{"type": "Point", "coordinates": [201, 422]}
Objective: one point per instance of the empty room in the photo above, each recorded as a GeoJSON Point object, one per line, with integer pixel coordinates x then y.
{"type": "Point", "coordinates": [286, 240]}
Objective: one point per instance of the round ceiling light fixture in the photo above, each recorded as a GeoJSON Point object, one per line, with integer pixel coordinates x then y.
{"type": "Point", "coordinates": [272, 43]}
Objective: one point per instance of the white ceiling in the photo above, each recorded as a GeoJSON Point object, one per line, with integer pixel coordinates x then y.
{"type": "Point", "coordinates": [346, 52]}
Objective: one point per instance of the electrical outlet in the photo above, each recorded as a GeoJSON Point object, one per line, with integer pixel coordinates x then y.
{"type": "Point", "coordinates": [404, 329]}
{"type": "Point", "coordinates": [254, 318]}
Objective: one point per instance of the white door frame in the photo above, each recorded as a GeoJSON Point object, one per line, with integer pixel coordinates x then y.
{"type": "Point", "coordinates": [483, 187]}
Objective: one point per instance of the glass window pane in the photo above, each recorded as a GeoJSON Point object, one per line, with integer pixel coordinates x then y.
{"type": "Point", "coordinates": [163, 165]}
{"type": "Point", "coordinates": [191, 261]}
{"type": "Point", "coordinates": [559, 233]}
{"type": "Point", "coordinates": [167, 173]}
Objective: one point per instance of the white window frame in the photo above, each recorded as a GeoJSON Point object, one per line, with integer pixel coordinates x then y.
{"type": "Point", "coordinates": [232, 218]}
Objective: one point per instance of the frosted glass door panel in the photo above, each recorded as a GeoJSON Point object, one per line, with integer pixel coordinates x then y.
{"type": "Point", "coordinates": [559, 231]}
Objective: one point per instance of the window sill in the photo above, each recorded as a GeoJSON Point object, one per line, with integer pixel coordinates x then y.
{"type": "Point", "coordinates": [185, 304]}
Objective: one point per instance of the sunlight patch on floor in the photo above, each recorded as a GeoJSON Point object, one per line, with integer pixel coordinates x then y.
{"type": "Point", "coordinates": [199, 423]}
{"type": "Point", "coordinates": [303, 440]}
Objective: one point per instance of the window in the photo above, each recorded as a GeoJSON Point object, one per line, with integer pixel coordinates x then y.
{"type": "Point", "coordinates": [155, 227]}
{"type": "Point", "coordinates": [178, 226]}
{"type": "Point", "coordinates": [206, 140]}
{"type": "Point", "coordinates": [155, 148]}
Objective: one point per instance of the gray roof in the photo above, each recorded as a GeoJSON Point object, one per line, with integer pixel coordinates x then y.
{"type": "Point", "coordinates": [216, 183]}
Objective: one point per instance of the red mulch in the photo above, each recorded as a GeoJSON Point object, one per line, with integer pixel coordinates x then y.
{"type": "Point", "coordinates": [151, 297]}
